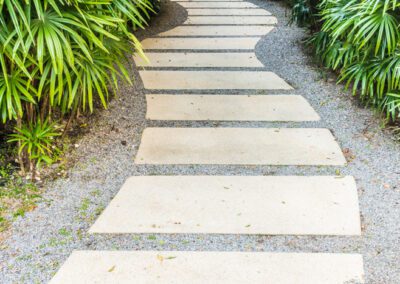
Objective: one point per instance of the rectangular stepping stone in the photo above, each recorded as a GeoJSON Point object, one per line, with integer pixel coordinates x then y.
{"type": "Point", "coordinates": [228, 12]}
{"type": "Point", "coordinates": [241, 146]}
{"type": "Point", "coordinates": [229, 108]}
{"type": "Point", "coordinates": [183, 267]}
{"type": "Point", "coordinates": [267, 205]}
{"type": "Point", "coordinates": [230, 20]}
{"type": "Point", "coordinates": [191, 59]}
{"type": "Point", "coordinates": [218, 5]}
{"type": "Point", "coordinates": [207, 80]}
{"type": "Point", "coordinates": [207, 0]}
{"type": "Point", "coordinates": [248, 43]}
{"type": "Point", "coordinates": [218, 31]}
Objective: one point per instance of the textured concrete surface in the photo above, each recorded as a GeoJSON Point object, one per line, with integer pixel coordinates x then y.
{"type": "Point", "coordinates": [229, 108]}
{"type": "Point", "coordinates": [228, 12]}
{"type": "Point", "coordinates": [286, 205]}
{"type": "Point", "coordinates": [240, 146]}
{"type": "Point", "coordinates": [217, 5]}
{"type": "Point", "coordinates": [201, 43]}
{"type": "Point", "coordinates": [230, 20]}
{"type": "Point", "coordinates": [218, 30]}
{"type": "Point", "coordinates": [196, 59]}
{"type": "Point", "coordinates": [209, 267]}
{"type": "Point", "coordinates": [212, 80]}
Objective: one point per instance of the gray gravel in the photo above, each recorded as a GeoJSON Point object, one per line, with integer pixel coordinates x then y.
{"type": "Point", "coordinates": [43, 239]}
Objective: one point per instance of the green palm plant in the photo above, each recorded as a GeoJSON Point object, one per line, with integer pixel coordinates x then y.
{"type": "Point", "coordinates": [59, 57]}
{"type": "Point", "coordinates": [361, 40]}
{"type": "Point", "coordinates": [36, 142]}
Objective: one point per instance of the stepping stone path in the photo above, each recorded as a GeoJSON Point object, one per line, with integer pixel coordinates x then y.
{"type": "Point", "coordinates": [198, 43]}
{"type": "Point", "coordinates": [195, 59]}
{"type": "Point", "coordinates": [231, 20]}
{"type": "Point", "coordinates": [217, 4]}
{"type": "Point", "coordinates": [228, 12]}
{"type": "Point", "coordinates": [219, 30]}
{"type": "Point", "coordinates": [239, 146]}
{"type": "Point", "coordinates": [225, 34]}
{"type": "Point", "coordinates": [229, 108]}
{"type": "Point", "coordinates": [212, 80]}
{"type": "Point", "coordinates": [233, 205]}
{"type": "Point", "coordinates": [208, 267]}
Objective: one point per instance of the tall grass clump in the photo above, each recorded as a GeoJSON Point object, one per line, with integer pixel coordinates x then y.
{"type": "Point", "coordinates": [59, 58]}
{"type": "Point", "coordinates": [360, 39]}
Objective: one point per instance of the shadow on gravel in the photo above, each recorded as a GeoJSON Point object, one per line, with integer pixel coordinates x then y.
{"type": "Point", "coordinates": [170, 16]}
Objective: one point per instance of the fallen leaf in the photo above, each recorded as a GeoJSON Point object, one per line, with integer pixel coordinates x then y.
{"type": "Point", "coordinates": [348, 154]}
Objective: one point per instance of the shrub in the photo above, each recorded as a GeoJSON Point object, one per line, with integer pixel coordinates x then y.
{"type": "Point", "coordinates": [303, 12]}
{"type": "Point", "coordinates": [361, 39]}
{"type": "Point", "coordinates": [59, 57]}
{"type": "Point", "coordinates": [36, 141]}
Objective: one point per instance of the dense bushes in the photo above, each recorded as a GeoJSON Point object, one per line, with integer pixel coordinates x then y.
{"type": "Point", "coordinates": [361, 40]}
{"type": "Point", "coordinates": [59, 57]}
{"type": "Point", "coordinates": [303, 12]}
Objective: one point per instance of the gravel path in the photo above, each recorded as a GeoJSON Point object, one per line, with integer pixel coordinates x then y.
{"type": "Point", "coordinates": [44, 238]}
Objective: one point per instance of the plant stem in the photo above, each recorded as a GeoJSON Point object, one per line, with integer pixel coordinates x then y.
{"type": "Point", "coordinates": [20, 154]}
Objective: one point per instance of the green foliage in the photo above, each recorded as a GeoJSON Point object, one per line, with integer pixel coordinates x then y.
{"type": "Point", "coordinates": [59, 58]}
{"type": "Point", "coordinates": [361, 39]}
{"type": "Point", "coordinates": [303, 12]}
{"type": "Point", "coordinates": [36, 140]}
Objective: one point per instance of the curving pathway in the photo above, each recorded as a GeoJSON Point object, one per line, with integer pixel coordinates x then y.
{"type": "Point", "coordinates": [181, 87]}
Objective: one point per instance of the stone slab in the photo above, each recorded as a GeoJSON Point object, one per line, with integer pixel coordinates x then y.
{"type": "Point", "coordinates": [174, 267]}
{"type": "Point", "coordinates": [266, 205]}
{"type": "Point", "coordinates": [212, 4]}
{"type": "Point", "coordinates": [247, 43]}
{"type": "Point", "coordinates": [218, 31]}
{"type": "Point", "coordinates": [230, 20]}
{"type": "Point", "coordinates": [241, 146]}
{"type": "Point", "coordinates": [228, 12]}
{"type": "Point", "coordinates": [230, 108]}
{"type": "Point", "coordinates": [207, 80]}
{"type": "Point", "coordinates": [195, 59]}
{"type": "Point", "coordinates": [207, 0]}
